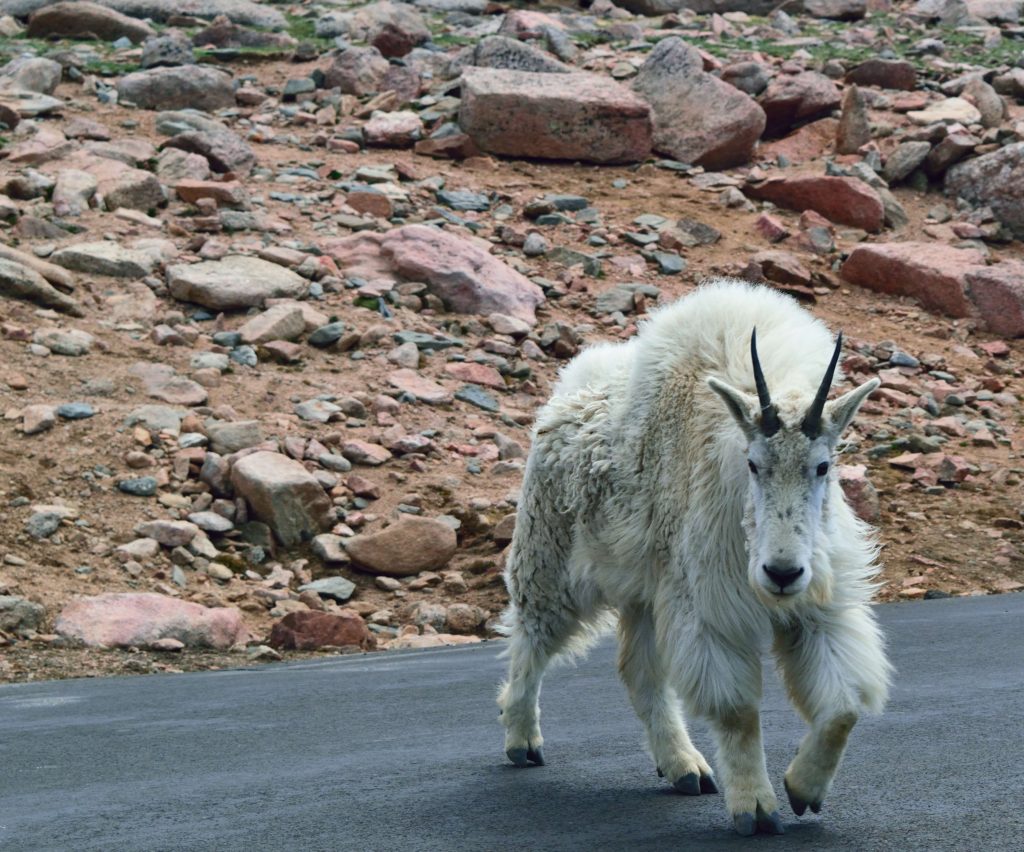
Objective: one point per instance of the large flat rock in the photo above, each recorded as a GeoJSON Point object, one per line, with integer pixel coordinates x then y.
{"type": "Point", "coordinates": [233, 282]}
{"type": "Point", "coordinates": [239, 11]}
{"type": "Point", "coordinates": [846, 201]}
{"type": "Point", "coordinates": [124, 620]}
{"type": "Point", "coordinates": [458, 270]}
{"type": "Point", "coordinates": [186, 86]}
{"type": "Point", "coordinates": [575, 116]}
{"type": "Point", "coordinates": [933, 273]}
{"type": "Point", "coordinates": [86, 20]}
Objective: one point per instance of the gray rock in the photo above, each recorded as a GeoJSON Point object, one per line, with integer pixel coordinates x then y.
{"type": "Point", "coordinates": [316, 410]}
{"type": "Point", "coordinates": [993, 180]}
{"type": "Point", "coordinates": [75, 411]}
{"type": "Point", "coordinates": [501, 52]}
{"type": "Point", "coordinates": [680, 93]}
{"type": "Point", "coordinates": [211, 522]}
{"type": "Point", "coordinates": [198, 87]}
{"type": "Point", "coordinates": [106, 258]}
{"type": "Point", "coordinates": [210, 361]}
{"type": "Point", "coordinates": [174, 165]}
{"type": "Point", "coordinates": [988, 102]}
{"type": "Point", "coordinates": [239, 11]}
{"type": "Point", "coordinates": [535, 245]}
{"type": "Point", "coordinates": [326, 335]}
{"type": "Point", "coordinates": [476, 395]}
{"type": "Point", "coordinates": [336, 588]}
{"type": "Point", "coordinates": [749, 77]}
{"type": "Point", "coordinates": [335, 463]}
{"type": "Point", "coordinates": [169, 533]}
{"type": "Point", "coordinates": [223, 150]}
{"type": "Point", "coordinates": [156, 418]}
{"type": "Point", "coordinates": [235, 281]}
{"type": "Point", "coordinates": [73, 191]}
{"type": "Point", "coordinates": [278, 322]}
{"type": "Point", "coordinates": [42, 525]}
{"type": "Point", "coordinates": [464, 200]}
{"type": "Point", "coordinates": [167, 50]}
{"type": "Point", "coordinates": [20, 282]}
{"type": "Point", "coordinates": [906, 157]}
{"type": "Point", "coordinates": [34, 74]}
{"type": "Point", "coordinates": [282, 494]}
{"type": "Point", "coordinates": [836, 10]}
{"type": "Point", "coordinates": [854, 125]}
{"type": "Point", "coordinates": [226, 438]}
{"type": "Point", "coordinates": [140, 486]}
{"type": "Point", "coordinates": [71, 342]}
{"type": "Point", "coordinates": [81, 20]}
{"type": "Point", "coordinates": [20, 616]}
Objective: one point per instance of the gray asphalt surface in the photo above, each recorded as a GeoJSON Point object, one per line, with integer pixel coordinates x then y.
{"type": "Point", "coordinates": [403, 751]}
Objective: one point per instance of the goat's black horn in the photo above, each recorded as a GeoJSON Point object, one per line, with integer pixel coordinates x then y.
{"type": "Point", "coordinates": [769, 416]}
{"type": "Point", "coordinates": [811, 425]}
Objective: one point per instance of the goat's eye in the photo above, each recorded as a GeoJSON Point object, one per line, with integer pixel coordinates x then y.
{"type": "Point", "coordinates": [822, 468]}
{"type": "Point", "coordinates": [752, 466]}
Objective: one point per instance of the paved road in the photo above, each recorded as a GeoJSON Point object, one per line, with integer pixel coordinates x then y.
{"type": "Point", "coordinates": [403, 751]}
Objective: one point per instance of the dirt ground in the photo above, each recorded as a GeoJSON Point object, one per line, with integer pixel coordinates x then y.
{"type": "Point", "coordinates": [961, 540]}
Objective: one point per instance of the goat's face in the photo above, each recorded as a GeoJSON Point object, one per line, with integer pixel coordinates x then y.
{"type": "Point", "coordinates": [787, 483]}
{"type": "Point", "coordinates": [789, 457]}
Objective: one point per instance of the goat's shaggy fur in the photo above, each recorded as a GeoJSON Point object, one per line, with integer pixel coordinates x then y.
{"type": "Point", "coordinates": [637, 499]}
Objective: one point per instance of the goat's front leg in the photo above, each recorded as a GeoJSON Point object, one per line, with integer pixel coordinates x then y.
{"type": "Point", "coordinates": [723, 683]}
{"type": "Point", "coordinates": [835, 668]}
{"type": "Point", "coordinates": [643, 671]}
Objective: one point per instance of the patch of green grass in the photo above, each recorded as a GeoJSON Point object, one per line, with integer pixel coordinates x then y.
{"type": "Point", "coordinates": [109, 67]}
{"type": "Point", "coordinates": [962, 46]}
{"type": "Point", "coordinates": [452, 40]}
{"type": "Point", "coordinates": [304, 29]}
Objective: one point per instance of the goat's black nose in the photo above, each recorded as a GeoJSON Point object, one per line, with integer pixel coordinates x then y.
{"type": "Point", "coordinates": [782, 575]}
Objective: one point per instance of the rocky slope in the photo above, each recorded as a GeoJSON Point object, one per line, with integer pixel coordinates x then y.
{"type": "Point", "coordinates": [282, 286]}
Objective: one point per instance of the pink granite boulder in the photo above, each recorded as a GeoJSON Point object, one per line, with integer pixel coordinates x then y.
{"type": "Point", "coordinates": [574, 116]}
{"type": "Point", "coordinates": [139, 620]}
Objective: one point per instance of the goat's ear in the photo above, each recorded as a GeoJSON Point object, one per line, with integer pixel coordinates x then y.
{"type": "Point", "coordinates": [741, 405]}
{"type": "Point", "coordinates": [839, 413]}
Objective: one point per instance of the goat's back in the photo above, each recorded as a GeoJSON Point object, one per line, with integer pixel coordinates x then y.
{"type": "Point", "coordinates": [708, 334]}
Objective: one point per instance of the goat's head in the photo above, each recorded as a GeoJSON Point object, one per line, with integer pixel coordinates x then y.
{"type": "Point", "coordinates": [790, 450]}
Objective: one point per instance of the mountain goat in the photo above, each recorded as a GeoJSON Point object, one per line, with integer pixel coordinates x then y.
{"type": "Point", "coordinates": [685, 479]}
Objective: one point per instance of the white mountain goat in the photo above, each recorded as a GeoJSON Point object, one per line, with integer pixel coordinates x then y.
{"type": "Point", "coordinates": [685, 479]}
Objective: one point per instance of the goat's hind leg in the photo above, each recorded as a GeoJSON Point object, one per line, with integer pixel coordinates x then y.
{"type": "Point", "coordinates": [644, 674]}
{"type": "Point", "coordinates": [519, 698]}
{"type": "Point", "coordinates": [547, 611]}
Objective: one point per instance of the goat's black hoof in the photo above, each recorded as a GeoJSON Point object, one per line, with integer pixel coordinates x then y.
{"type": "Point", "coordinates": [517, 756]}
{"type": "Point", "coordinates": [745, 824]}
{"type": "Point", "coordinates": [800, 805]}
{"type": "Point", "coordinates": [770, 823]}
{"type": "Point", "coordinates": [660, 773]}
{"type": "Point", "coordinates": [707, 784]}
{"type": "Point", "coordinates": [525, 756]}
{"type": "Point", "coordinates": [688, 785]}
